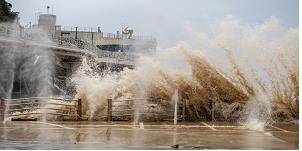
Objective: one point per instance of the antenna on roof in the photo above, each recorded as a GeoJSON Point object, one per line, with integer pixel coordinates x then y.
{"type": "Point", "coordinates": [48, 9]}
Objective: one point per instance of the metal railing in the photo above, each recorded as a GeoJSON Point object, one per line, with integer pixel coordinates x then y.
{"type": "Point", "coordinates": [118, 55]}
{"type": "Point", "coordinates": [9, 31]}
{"type": "Point", "coordinates": [125, 108]}
{"type": "Point", "coordinates": [104, 34]}
{"type": "Point", "coordinates": [72, 109]}
{"type": "Point", "coordinates": [73, 43]}
{"type": "Point", "coordinates": [24, 107]}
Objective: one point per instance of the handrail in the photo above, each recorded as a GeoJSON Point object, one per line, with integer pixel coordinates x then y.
{"type": "Point", "coordinates": [30, 98]}
{"type": "Point", "coordinates": [17, 104]}
{"type": "Point", "coordinates": [61, 104]}
{"type": "Point", "coordinates": [11, 110]}
{"type": "Point", "coordinates": [129, 99]}
{"type": "Point", "coordinates": [142, 113]}
{"type": "Point", "coordinates": [33, 104]}
{"type": "Point", "coordinates": [40, 113]}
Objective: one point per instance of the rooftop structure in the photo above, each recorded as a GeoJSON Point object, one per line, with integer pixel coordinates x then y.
{"type": "Point", "coordinates": [121, 41]}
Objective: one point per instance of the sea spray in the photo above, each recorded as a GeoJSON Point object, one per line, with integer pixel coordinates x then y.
{"type": "Point", "coordinates": [25, 69]}
{"type": "Point", "coordinates": [175, 101]}
{"type": "Point", "coordinates": [260, 58]}
{"type": "Point", "coordinates": [93, 89]}
{"type": "Point", "coordinates": [226, 69]}
{"type": "Point", "coordinates": [258, 111]}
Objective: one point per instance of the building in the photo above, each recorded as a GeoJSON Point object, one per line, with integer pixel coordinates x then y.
{"type": "Point", "coordinates": [121, 41]}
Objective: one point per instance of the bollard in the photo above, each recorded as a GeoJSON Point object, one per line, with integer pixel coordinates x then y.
{"type": "Point", "coordinates": [183, 110]}
{"type": "Point", "coordinates": [109, 110]}
{"type": "Point", "coordinates": [2, 109]}
{"type": "Point", "coordinates": [79, 111]}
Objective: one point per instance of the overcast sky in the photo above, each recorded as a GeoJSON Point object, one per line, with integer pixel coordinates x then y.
{"type": "Point", "coordinates": [163, 19]}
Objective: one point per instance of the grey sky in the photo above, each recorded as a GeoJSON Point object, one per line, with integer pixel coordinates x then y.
{"type": "Point", "coordinates": [164, 19]}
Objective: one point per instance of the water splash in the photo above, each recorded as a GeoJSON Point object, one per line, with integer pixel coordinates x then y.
{"type": "Point", "coordinates": [175, 100]}
{"type": "Point", "coordinates": [224, 67]}
{"type": "Point", "coordinates": [19, 64]}
{"type": "Point", "coordinates": [258, 112]}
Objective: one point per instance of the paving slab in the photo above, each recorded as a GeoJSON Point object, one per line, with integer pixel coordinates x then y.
{"type": "Point", "coordinates": [152, 135]}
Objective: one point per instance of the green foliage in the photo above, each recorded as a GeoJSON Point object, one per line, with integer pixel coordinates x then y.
{"type": "Point", "coordinates": [5, 12]}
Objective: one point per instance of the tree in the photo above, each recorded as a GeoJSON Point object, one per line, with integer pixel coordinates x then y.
{"type": "Point", "coordinates": [6, 15]}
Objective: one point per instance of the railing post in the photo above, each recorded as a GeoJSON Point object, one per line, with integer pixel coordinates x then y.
{"type": "Point", "coordinates": [91, 37]}
{"type": "Point", "coordinates": [2, 109]}
{"type": "Point", "coordinates": [213, 111]}
{"type": "Point", "coordinates": [109, 110]}
{"type": "Point", "coordinates": [76, 33]}
{"type": "Point", "coordinates": [183, 110]}
{"type": "Point", "coordinates": [79, 110]}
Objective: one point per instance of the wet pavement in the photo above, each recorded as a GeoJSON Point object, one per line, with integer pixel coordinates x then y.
{"type": "Point", "coordinates": [160, 135]}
